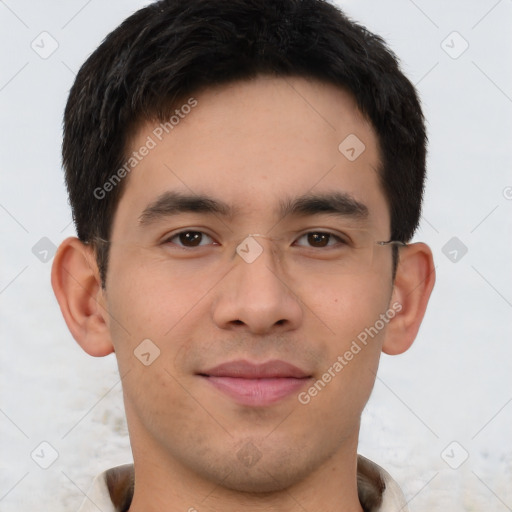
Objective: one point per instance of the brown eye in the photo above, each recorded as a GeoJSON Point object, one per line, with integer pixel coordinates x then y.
{"type": "Point", "coordinates": [318, 239]}
{"type": "Point", "coordinates": [191, 239]}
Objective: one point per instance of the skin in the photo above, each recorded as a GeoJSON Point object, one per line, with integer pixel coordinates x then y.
{"type": "Point", "coordinates": [249, 144]}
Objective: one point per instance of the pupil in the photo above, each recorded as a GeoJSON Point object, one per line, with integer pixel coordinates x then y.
{"type": "Point", "coordinates": [191, 238]}
{"type": "Point", "coordinates": [318, 239]}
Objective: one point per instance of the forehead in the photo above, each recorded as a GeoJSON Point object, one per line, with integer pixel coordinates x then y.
{"type": "Point", "coordinates": [253, 143]}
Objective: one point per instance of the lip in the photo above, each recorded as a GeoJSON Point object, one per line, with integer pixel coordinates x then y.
{"type": "Point", "coordinates": [256, 384]}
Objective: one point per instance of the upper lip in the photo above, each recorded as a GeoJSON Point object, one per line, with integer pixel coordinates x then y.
{"type": "Point", "coordinates": [243, 369]}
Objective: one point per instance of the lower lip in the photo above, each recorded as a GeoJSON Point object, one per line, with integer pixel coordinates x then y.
{"type": "Point", "coordinates": [257, 392]}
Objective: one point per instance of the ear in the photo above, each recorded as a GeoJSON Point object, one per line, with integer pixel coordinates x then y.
{"type": "Point", "coordinates": [414, 281]}
{"type": "Point", "coordinates": [77, 286]}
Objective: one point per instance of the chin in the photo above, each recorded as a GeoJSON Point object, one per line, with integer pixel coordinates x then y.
{"type": "Point", "coordinates": [257, 481]}
{"type": "Point", "coordinates": [260, 472]}
{"type": "Point", "coordinates": [254, 484]}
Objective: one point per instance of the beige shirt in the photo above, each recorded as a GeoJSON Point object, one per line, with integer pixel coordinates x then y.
{"type": "Point", "coordinates": [112, 490]}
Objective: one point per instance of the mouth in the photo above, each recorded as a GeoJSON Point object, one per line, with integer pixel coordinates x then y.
{"type": "Point", "coordinates": [256, 384]}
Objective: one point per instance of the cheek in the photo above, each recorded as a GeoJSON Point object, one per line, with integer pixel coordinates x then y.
{"type": "Point", "coordinates": [349, 310]}
{"type": "Point", "coordinates": [347, 305]}
{"type": "Point", "coordinates": [351, 350]}
{"type": "Point", "coordinates": [154, 391]}
{"type": "Point", "coordinates": [150, 297]}
{"type": "Point", "coordinates": [354, 314]}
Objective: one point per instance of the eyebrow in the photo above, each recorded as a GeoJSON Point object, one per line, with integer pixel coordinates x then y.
{"type": "Point", "coordinates": [173, 203]}
{"type": "Point", "coordinates": [337, 203]}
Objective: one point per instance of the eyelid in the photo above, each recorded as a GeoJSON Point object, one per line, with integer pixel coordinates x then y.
{"type": "Point", "coordinates": [341, 237]}
{"type": "Point", "coordinates": [173, 234]}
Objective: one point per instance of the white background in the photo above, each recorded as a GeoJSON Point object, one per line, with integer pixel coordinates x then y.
{"type": "Point", "coordinates": [454, 384]}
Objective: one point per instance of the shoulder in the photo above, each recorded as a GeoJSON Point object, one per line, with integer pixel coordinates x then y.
{"type": "Point", "coordinates": [111, 491]}
{"type": "Point", "coordinates": [377, 490]}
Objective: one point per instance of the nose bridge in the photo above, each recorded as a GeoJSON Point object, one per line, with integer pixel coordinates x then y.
{"type": "Point", "coordinates": [255, 292]}
{"type": "Point", "coordinates": [259, 267]}
{"type": "Point", "coordinates": [255, 245]}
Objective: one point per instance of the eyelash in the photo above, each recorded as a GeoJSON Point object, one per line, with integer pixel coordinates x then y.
{"type": "Point", "coordinates": [338, 239]}
{"type": "Point", "coordinates": [185, 231]}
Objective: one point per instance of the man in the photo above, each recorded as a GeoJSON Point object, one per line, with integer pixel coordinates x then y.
{"type": "Point", "coordinates": [244, 177]}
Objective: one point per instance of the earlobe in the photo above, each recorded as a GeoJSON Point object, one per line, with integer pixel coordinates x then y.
{"type": "Point", "coordinates": [413, 285]}
{"type": "Point", "coordinates": [77, 287]}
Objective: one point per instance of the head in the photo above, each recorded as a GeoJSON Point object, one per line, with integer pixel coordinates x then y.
{"type": "Point", "coordinates": [162, 55]}
{"type": "Point", "coordinates": [189, 129]}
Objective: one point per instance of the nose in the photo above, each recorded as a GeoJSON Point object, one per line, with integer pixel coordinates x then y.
{"type": "Point", "coordinates": [254, 296]}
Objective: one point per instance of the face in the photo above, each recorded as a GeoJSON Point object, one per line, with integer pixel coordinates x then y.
{"type": "Point", "coordinates": [251, 376]}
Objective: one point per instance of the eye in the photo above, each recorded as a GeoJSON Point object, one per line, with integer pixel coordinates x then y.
{"type": "Point", "coordinates": [319, 239]}
{"type": "Point", "coordinates": [190, 239]}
